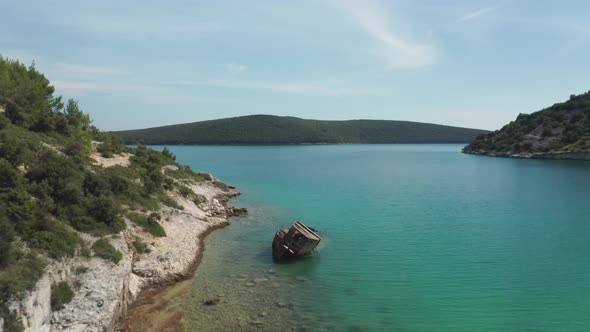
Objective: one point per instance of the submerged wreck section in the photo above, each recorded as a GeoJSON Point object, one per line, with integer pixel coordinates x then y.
{"type": "Point", "coordinates": [297, 241]}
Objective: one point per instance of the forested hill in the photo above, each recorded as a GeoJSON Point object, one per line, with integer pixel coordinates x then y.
{"type": "Point", "coordinates": [269, 129]}
{"type": "Point", "coordinates": [53, 187]}
{"type": "Point", "coordinates": [561, 131]}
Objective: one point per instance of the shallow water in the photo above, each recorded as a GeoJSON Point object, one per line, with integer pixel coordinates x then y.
{"type": "Point", "coordinates": [418, 238]}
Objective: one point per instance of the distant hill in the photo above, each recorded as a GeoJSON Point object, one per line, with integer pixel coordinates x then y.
{"type": "Point", "coordinates": [269, 129]}
{"type": "Point", "coordinates": [561, 131]}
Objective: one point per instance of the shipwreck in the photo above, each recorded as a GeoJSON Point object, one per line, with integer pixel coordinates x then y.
{"type": "Point", "coordinates": [297, 241]}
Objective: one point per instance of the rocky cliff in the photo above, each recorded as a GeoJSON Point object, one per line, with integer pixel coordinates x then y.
{"type": "Point", "coordinates": [103, 289]}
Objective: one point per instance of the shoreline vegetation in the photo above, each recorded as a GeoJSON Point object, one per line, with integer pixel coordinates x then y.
{"type": "Point", "coordinates": [87, 223]}
{"type": "Point", "coordinates": [286, 130]}
{"type": "Point", "coordinates": [561, 131]}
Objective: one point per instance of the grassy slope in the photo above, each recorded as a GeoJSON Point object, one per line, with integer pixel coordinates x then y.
{"type": "Point", "coordinates": [563, 127]}
{"type": "Point", "coordinates": [268, 129]}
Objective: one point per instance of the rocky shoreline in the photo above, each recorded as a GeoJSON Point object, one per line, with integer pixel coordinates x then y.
{"type": "Point", "coordinates": [560, 155]}
{"type": "Point", "coordinates": [104, 290]}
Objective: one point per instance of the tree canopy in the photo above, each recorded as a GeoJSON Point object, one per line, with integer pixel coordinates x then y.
{"type": "Point", "coordinates": [563, 127]}
{"type": "Point", "coordinates": [268, 129]}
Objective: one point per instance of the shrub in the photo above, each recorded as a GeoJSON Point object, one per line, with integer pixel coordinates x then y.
{"type": "Point", "coordinates": [169, 154]}
{"type": "Point", "coordinates": [81, 269]}
{"type": "Point", "coordinates": [547, 132]}
{"type": "Point", "coordinates": [166, 200]}
{"type": "Point", "coordinates": [12, 149]}
{"type": "Point", "coordinates": [3, 121]}
{"type": "Point", "coordinates": [84, 250]}
{"type": "Point", "coordinates": [61, 294]}
{"type": "Point", "coordinates": [148, 223]}
{"type": "Point", "coordinates": [75, 150]}
{"type": "Point", "coordinates": [139, 246]}
{"type": "Point", "coordinates": [105, 210]}
{"type": "Point", "coordinates": [103, 249]}
{"type": "Point", "coordinates": [9, 176]}
{"type": "Point", "coordinates": [54, 238]}
{"type": "Point", "coordinates": [105, 149]}
{"type": "Point", "coordinates": [21, 272]}
{"type": "Point", "coordinates": [185, 191]}
{"type": "Point", "coordinates": [6, 237]}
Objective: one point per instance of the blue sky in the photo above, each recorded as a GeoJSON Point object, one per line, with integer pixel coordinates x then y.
{"type": "Point", "coordinates": [134, 64]}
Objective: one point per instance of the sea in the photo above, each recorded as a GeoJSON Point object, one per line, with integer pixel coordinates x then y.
{"type": "Point", "coordinates": [415, 238]}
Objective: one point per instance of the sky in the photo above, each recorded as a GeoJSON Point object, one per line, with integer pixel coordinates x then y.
{"type": "Point", "coordinates": [136, 64]}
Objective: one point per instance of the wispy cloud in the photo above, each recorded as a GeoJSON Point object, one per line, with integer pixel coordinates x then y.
{"type": "Point", "coordinates": [234, 68]}
{"type": "Point", "coordinates": [547, 22]}
{"type": "Point", "coordinates": [329, 88]}
{"type": "Point", "coordinates": [476, 14]}
{"type": "Point", "coordinates": [396, 49]}
{"type": "Point", "coordinates": [86, 71]}
{"type": "Point", "coordinates": [146, 93]}
{"type": "Point", "coordinates": [26, 56]}
{"type": "Point", "coordinates": [140, 28]}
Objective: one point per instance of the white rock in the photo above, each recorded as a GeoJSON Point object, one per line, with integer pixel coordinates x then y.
{"type": "Point", "coordinates": [107, 289]}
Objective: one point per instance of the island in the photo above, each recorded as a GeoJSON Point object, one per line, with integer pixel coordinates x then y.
{"type": "Point", "coordinates": [561, 131]}
{"type": "Point", "coordinates": [271, 129]}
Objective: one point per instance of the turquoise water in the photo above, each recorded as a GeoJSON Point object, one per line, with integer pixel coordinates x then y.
{"type": "Point", "coordinates": [418, 238]}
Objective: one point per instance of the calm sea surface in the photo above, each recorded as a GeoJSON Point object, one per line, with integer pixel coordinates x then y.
{"type": "Point", "coordinates": [417, 238]}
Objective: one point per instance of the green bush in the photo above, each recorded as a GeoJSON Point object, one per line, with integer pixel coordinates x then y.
{"type": "Point", "coordinates": [84, 250]}
{"type": "Point", "coordinates": [103, 249]}
{"type": "Point", "coordinates": [54, 238]}
{"type": "Point", "coordinates": [105, 149]}
{"type": "Point", "coordinates": [61, 294]}
{"type": "Point", "coordinates": [81, 269]}
{"type": "Point", "coordinates": [185, 191]}
{"type": "Point", "coordinates": [3, 121]}
{"type": "Point", "coordinates": [139, 246]}
{"type": "Point", "coordinates": [6, 237]}
{"type": "Point", "coordinates": [21, 271]}
{"type": "Point", "coordinates": [166, 200]}
{"type": "Point", "coordinates": [148, 223]}
{"type": "Point", "coordinates": [105, 210]}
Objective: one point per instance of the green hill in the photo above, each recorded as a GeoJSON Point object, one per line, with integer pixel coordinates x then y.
{"type": "Point", "coordinates": [561, 131]}
{"type": "Point", "coordinates": [268, 129]}
{"type": "Point", "coordinates": [53, 189]}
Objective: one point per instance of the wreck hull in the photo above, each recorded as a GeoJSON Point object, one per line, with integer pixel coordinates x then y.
{"type": "Point", "coordinates": [285, 247]}
{"type": "Point", "coordinates": [280, 251]}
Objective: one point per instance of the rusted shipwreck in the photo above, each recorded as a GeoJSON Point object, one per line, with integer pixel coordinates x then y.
{"type": "Point", "coordinates": [297, 241]}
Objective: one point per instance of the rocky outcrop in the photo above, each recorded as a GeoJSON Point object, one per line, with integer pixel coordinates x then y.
{"type": "Point", "coordinates": [206, 176]}
{"type": "Point", "coordinates": [102, 294]}
{"type": "Point", "coordinates": [35, 309]}
{"type": "Point", "coordinates": [103, 289]}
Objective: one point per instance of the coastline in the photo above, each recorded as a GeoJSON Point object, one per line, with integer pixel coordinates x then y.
{"type": "Point", "coordinates": [106, 291]}
{"type": "Point", "coordinates": [145, 313]}
{"type": "Point", "coordinates": [559, 155]}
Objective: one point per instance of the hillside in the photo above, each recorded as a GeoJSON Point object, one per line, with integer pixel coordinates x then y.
{"type": "Point", "coordinates": [561, 131]}
{"type": "Point", "coordinates": [78, 207]}
{"type": "Point", "coordinates": [268, 129]}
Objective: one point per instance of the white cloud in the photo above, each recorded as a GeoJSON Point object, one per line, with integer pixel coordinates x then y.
{"type": "Point", "coordinates": [396, 49]}
{"type": "Point", "coordinates": [475, 14]}
{"type": "Point", "coordinates": [234, 68]}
